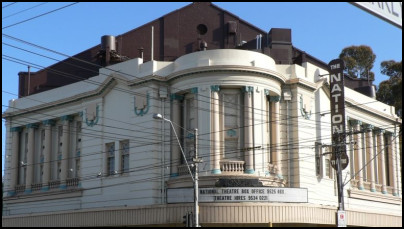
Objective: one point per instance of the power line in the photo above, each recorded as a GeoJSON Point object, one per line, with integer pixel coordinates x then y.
{"type": "Point", "coordinates": [8, 5]}
{"type": "Point", "coordinates": [29, 19]}
{"type": "Point", "coordinates": [23, 10]}
{"type": "Point", "coordinates": [101, 66]}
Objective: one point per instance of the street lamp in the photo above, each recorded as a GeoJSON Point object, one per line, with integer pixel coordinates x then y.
{"type": "Point", "coordinates": [196, 160]}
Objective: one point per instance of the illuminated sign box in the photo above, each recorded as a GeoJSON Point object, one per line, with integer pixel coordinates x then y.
{"type": "Point", "coordinates": [238, 194]}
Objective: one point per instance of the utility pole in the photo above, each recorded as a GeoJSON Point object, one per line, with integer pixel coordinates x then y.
{"type": "Point", "coordinates": [196, 185]}
{"type": "Point", "coordinates": [339, 171]}
{"type": "Point", "coordinates": [337, 105]}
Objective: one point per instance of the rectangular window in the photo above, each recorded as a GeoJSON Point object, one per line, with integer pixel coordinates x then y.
{"type": "Point", "coordinates": [268, 113]}
{"type": "Point", "coordinates": [190, 118]}
{"type": "Point", "coordinates": [124, 156]}
{"type": "Point", "coordinates": [23, 158]}
{"type": "Point", "coordinates": [41, 174]}
{"type": "Point", "coordinates": [329, 171]}
{"type": "Point", "coordinates": [318, 153]}
{"type": "Point", "coordinates": [60, 135]}
{"type": "Point", "coordinates": [231, 105]}
{"type": "Point", "coordinates": [77, 171]}
{"type": "Point", "coordinates": [78, 149]}
{"type": "Point", "coordinates": [59, 170]}
{"type": "Point", "coordinates": [327, 168]}
{"type": "Point", "coordinates": [110, 150]}
{"type": "Point", "coordinates": [41, 157]}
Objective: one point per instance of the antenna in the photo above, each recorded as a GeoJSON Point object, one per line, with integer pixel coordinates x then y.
{"type": "Point", "coordinates": [29, 78]}
{"type": "Point", "coordinates": [152, 43]}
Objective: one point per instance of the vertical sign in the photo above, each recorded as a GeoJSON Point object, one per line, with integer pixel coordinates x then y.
{"type": "Point", "coordinates": [337, 101]}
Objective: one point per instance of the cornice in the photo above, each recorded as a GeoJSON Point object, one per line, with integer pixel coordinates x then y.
{"type": "Point", "coordinates": [108, 83]}
{"type": "Point", "coordinates": [210, 69]}
{"type": "Point", "coordinates": [303, 83]}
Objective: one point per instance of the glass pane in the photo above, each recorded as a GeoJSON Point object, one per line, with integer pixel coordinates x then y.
{"type": "Point", "coordinates": [111, 149]}
{"type": "Point", "coordinates": [230, 104]}
{"type": "Point", "coordinates": [125, 163]}
{"type": "Point", "coordinates": [231, 150]}
{"type": "Point", "coordinates": [111, 165]}
{"type": "Point", "coordinates": [327, 167]}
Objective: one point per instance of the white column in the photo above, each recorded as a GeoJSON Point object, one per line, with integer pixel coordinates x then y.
{"type": "Point", "coordinates": [248, 130]}
{"type": "Point", "coordinates": [381, 157]}
{"type": "Point", "coordinates": [65, 150]}
{"type": "Point", "coordinates": [30, 157]}
{"type": "Point", "coordinates": [175, 148]}
{"type": "Point", "coordinates": [215, 130]}
{"type": "Point", "coordinates": [276, 135]}
{"type": "Point", "coordinates": [392, 163]}
{"type": "Point", "coordinates": [370, 157]}
{"type": "Point", "coordinates": [47, 154]}
{"type": "Point", "coordinates": [14, 158]}
{"type": "Point", "coordinates": [358, 153]}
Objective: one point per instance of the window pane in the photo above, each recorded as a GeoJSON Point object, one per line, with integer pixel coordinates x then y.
{"type": "Point", "coordinates": [124, 156]}
{"type": "Point", "coordinates": [327, 167]}
{"type": "Point", "coordinates": [231, 149]}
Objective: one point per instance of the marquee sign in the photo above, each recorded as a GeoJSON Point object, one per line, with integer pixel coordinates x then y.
{"type": "Point", "coordinates": [238, 194]}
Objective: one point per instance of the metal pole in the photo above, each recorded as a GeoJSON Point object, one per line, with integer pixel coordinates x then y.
{"type": "Point", "coordinates": [196, 185]}
{"type": "Point", "coordinates": [339, 147]}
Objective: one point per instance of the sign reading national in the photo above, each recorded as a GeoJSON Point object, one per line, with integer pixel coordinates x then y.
{"type": "Point", "coordinates": [337, 101]}
{"type": "Point", "coordinates": [239, 194]}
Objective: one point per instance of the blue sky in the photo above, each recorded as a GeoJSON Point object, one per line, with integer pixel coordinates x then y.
{"type": "Point", "coordinates": [320, 29]}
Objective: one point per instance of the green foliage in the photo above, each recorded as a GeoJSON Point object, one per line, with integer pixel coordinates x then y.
{"type": "Point", "coordinates": [359, 61]}
{"type": "Point", "coordinates": [390, 91]}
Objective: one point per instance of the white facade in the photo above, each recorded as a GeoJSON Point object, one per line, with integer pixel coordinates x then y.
{"type": "Point", "coordinates": [255, 119]}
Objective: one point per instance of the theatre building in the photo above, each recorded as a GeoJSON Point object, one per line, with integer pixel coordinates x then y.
{"type": "Point", "coordinates": [83, 148]}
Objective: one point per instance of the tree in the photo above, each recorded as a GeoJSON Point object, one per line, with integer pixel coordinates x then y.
{"type": "Point", "coordinates": [390, 91]}
{"type": "Point", "coordinates": [359, 61]}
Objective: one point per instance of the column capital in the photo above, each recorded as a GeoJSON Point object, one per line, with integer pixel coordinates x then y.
{"type": "Point", "coordinates": [368, 127]}
{"type": "Point", "coordinates": [32, 125]}
{"type": "Point", "coordinates": [194, 90]}
{"type": "Point", "coordinates": [66, 118]}
{"type": "Point", "coordinates": [215, 88]}
{"type": "Point", "coordinates": [248, 89]}
{"type": "Point", "coordinates": [390, 134]}
{"type": "Point", "coordinates": [379, 131]}
{"type": "Point", "coordinates": [354, 122]}
{"type": "Point", "coordinates": [174, 96]}
{"type": "Point", "coordinates": [50, 122]}
{"type": "Point", "coordinates": [266, 92]}
{"type": "Point", "coordinates": [274, 98]}
{"type": "Point", "coordinates": [15, 129]}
